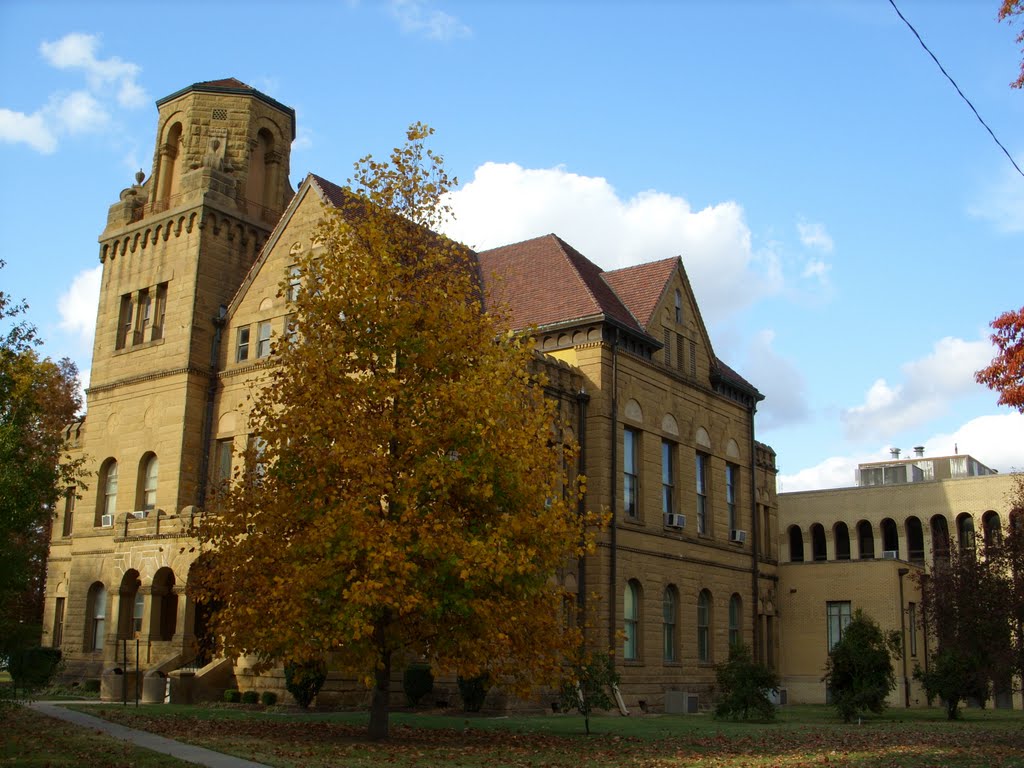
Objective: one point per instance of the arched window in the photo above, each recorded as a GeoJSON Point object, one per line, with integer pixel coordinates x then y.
{"type": "Point", "coordinates": [735, 620]}
{"type": "Point", "coordinates": [865, 540]}
{"type": "Point", "coordinates": [915, 539]}
{"type": "Point", "coordinates": [631, 621]}
{"type": "Point", "coordinates": [164, 606]}
{"type": "Point", "coordinates": [992, 528]}
{"type": "Point", "coordinates": [96, 616]}
{"type": "Point", "coordinates": [130, 606]}
{"type": "Point", "coordinates": [704, 627]}
{"type": "Point", "coordinates": [890, 537]}
{"type": "Point", "coordinates": [107, 497]}
{"type": "Point", "coordinates": [670, 632]}
{"type": "Point", "coordinates": [796, 544]}
{"type": "Point", "coordinates": [819, 551]}
{"type": "Point", "coordinates": [940, 537]}
{"type": "Point", "coordinates": [149, 470]}
{"type": "Point", "coordinates": [841, 534]}
{"type": "Point", "coordinates": [965, 532]}
{"type": "Point", "coordinates": [169, 168]}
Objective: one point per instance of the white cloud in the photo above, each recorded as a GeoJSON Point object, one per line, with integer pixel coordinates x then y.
{"type": "Point", "coordinates": [78, 51]}
{"type": "Point", "coordinates": [813, 235]}
{"type": "Point", "coordinates": [79, 112]}
{"type": "Point", "coordinates": [19, 128]}
{"type": "Point", "coordinates": [1002, 203]}
{"type": "Point", "coordinates": [993, 440]}
{"type": "Point", "coordinates": [779, 381]}
{"type": "Point", "coordinates": [78, 305]}
{"type": "Point", "coordinates": [505, 203]}
{"type": "Point", "coordinates": [416, 17]}
{"type": "Point", "coordinates": [929, 384]}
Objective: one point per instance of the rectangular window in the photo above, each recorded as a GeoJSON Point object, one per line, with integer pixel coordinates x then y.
{"type": "Point", "coordinates": [731, 476]}
{"type": "Point", "coordinates": [838, 619]}
{"type": "Point", "coordinates": [159, 311]}
{"type": "Point", "coordinates": [69, 511]}
{"type": "Point", "coordinates": [668, 346]}
{"type": "Point", "coordinates": [679, 351]}
{"type": "Point", "coordinates": [668, 477]}
{"type": "Point", "coordinates": [58, 623]}
{"type": "Point", "coordinates": [242, 345]}
{"type": "Point", "coordinates": [291, 328]}
{"type": "Point", "coordinates": [693, 358]}
{"type": "Point", "coordinates": [702, 494]}
{"type": "Point", "coordinates": [124, 321]}
{"type": "Point", "coordinates": [912, 620]}
{"type": "Point", "coordinates": [293, 283]}
{"type": "Point", "coordinates": [630, 443]}
{"type": "Point", "coordinates": [263, 339]}
{"type": "Point", "coordinates": [224, 450]}
{"type": "Point", "coordinates": [143, 316]}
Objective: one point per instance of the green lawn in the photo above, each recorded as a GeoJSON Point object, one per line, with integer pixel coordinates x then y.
{"type": "Point", "coordinates": [29, 739]}
{"type": "Point", "coordinates": [802, 736]}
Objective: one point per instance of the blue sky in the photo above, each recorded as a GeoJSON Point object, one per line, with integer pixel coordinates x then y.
{"type": "Point", "coordinates": [849, 227]}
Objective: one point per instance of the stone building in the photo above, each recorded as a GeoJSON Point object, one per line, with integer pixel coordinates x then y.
{"type": "Point", "coordinates": [193, 260]}
{"type": "Point", "coordinates": [865, 547]}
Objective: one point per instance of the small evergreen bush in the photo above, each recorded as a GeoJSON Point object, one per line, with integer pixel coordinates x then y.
{"type": "Point", "coordinates": [473, 691]}
{"type": "Point", "coordinates": [232, 696]}
{"type": "Point", "coordinates": [91, 686]}
{"type": "Point", "coordinates": [33, 668]}
{"type": "Point", "coordinates": [268, 698]}
{"type": "Point", "coordinates": [304, 680]}
{"type": "Point", "coordinates": [417, 682]}
{"type": "Point", "coordinates": [745, 687]}
{"type": "Point", "coordinates": [250, 697]}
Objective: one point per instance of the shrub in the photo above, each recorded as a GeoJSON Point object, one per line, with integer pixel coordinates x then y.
{"type": "Point", "coordinates": [268, 698]}
{"type": "Point", "coordinates": [304, 680]}
{"type": "Point", "coordinates": [473, 691]}
{"type": "Point", "coordinates": [745, 687]}
{"type": "Point", "coordinates": [91, 686]}
{"type": "Point", "coordinates": [859, 670]}
{"type": "Point", "coordinates": [33, 668]}
{"type": "Point", "coordinates": [586, 688]}
{"type": "Point", "coordinates": [417, 682]}
{"type": "Point", "coordinates": [232, 696]}
{"type": "Point", "coordinates": [250, 697]}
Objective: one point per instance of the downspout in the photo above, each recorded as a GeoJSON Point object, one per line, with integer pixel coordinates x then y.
{"type": "Point", "coordinates": [614, 475]}
{"type": "Point", "coordinates": [204, 466]}
{"type": "Point", "coordinates": [582, 398]}
{"type": "Point", "coordinates": [755, 574]}
{"type": "Point", "coordinates": [903, 636]}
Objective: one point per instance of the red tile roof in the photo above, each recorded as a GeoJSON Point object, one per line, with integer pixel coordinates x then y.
{"type": "Point", "coordinates": [545, 281]}
{"type": "Point", "coordinates": [641, 287]}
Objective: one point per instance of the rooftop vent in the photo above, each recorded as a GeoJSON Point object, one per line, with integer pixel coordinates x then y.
{"type": "Point", "coordinates": [894, 452]}
{"type": "Point", "coordinates": [919, 451]}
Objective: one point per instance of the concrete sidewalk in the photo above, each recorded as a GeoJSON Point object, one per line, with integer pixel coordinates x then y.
{"type": "Point", "coordinates": [187, 752]}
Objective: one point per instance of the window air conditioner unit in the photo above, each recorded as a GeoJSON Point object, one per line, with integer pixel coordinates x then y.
{"type": "Point", "coordinates": [738, 536]}
{"type": "Point", "coordinates": [673, 520]}
{"type": "Point", "coordinates": [890, 554]}
{"type": "Point", "coordinates": [139, 514]}
{"type": "Point", "coordinates": [107, 521]}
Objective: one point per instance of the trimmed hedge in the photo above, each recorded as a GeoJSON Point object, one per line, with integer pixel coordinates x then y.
{"type": "Point", "coordinates": [232, 696]}
{"type": "Point", "coordinates": [250, 697]}
{"type": "Point", "coordinates": [268, 698]}
{"type": "Point", "coordinates": [417, 682]}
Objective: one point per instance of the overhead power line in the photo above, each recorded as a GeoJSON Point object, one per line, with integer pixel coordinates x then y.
{"type": "Point", "coordinates": [951, 80]}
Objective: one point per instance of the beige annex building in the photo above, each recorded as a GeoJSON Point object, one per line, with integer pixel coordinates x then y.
{"type": "Point", "coordinates": [862, 548]}
{"type": "Point", "coordinates": [193, 257]}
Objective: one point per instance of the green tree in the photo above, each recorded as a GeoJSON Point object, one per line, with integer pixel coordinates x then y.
{"type": "Point", "coordinates": [859, 670]}
{"type": "Point", "coordinates": [409, 498]}
{"type": "Point", "coordinates": [972, 601]}
{"type": "Point", "coordinates": [588, 685]}
{"type": "Point", "coordinates": [38, 399]}
{"type": "Point", "coordinates": [745, 686]}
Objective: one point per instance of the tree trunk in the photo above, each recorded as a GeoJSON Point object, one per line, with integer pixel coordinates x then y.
{"type": "Point", "coordinates": [380, 704]}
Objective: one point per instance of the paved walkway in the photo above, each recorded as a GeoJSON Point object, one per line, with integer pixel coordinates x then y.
{"type": "Point", "coordinates": [187, 752]}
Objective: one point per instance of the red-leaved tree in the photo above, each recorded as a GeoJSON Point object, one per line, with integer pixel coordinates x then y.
{"type": "Point", "coordinates": [1005, 374]}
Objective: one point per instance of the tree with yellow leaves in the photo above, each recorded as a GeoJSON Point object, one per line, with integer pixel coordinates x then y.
{"type": "Point", "coordinates": [410, 500]}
